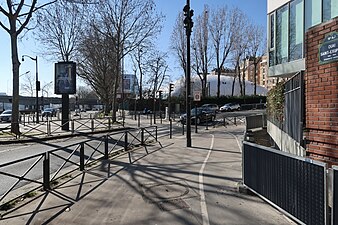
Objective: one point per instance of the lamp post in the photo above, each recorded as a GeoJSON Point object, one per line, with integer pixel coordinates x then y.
{"type": "Point", "coordinates": [37, 84]}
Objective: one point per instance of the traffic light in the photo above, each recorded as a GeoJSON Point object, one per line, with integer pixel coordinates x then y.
{"type": "Point", "coordinates": [171, 88]}
{"type": "Point", "coordinates": [188, 23]}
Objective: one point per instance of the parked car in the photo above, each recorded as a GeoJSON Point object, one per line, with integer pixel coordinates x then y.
{"type": "Point", "coordinates": [202, 115]}
{"type": "Point", "coordinates": [230, 107]}
{"type": "Point", "coordinates": [6, 116]}
{"type": "Point", "coordinates": [213, 107]}
{"type": "Point", "coordinates": [48, 112]}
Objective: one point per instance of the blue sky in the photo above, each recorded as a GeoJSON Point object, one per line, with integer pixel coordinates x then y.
{"type": "Point", "coordinates": [255, 9]}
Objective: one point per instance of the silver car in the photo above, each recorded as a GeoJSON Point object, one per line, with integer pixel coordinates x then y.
{"type": "Point", "coordinates": [6, 116]}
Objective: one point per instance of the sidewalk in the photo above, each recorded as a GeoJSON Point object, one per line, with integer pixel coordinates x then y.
{"type": "Point", "coordinates": [172, 185]}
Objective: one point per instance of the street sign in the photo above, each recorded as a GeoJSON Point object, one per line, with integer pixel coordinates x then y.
{"type": "Point", "coordinates": [197, 96]}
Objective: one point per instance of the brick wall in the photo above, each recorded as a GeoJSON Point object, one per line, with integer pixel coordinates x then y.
{"type": "Point", "coordinates": [321, 98]}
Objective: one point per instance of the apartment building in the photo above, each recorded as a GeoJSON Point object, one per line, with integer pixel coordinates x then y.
{"type": "Point", "coordinates": [303, 45]}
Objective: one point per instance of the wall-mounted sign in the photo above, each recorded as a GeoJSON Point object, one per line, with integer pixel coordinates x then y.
{"type": "Point", "coordinates": [65, 78]}
{"type": "Point", "coordinates": [328, 50]}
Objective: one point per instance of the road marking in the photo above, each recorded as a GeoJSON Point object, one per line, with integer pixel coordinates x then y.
{"type": "Point", "coordinates": [239, 145]}
{"type": "Point", "coordinates": [204, 211]}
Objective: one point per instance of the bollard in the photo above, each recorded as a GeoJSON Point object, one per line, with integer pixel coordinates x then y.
{"type": "Point", "coordinates": [142, 136]}
{"type": "Point", "coordinates": [138, 120]}
{"type": "Point", "coordinates": [206, 125]}
{"type": "Point", "coordinates": [92, 125]}
{"type": "Point", "coordinates": [46, 172]}
{"type": "Point", "coordinates": [105, 147]}
{"type": "Point", "coordinates": [182, 128]}
{"type": "Point", "coordinates": [151, 119]}
{"type": "Point", "coordinates": [235, 120]}
{"type": "Point", "coordinates": [156, 133]}
{"type": "Point", "coordinates": [82, 157]}
{"type": "Point", "coordinates": [125, 140]}
{"type": "Point", "coordinates": [224, 122]}
{"type": "Point", "coordinates": [72, 126]}
{"type": "Point", "coordinates": [170, 128]}
{"type": "Point", "coordinates": [109, 123]}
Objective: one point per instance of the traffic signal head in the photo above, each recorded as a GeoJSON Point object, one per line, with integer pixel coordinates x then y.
{"type": "Point", "coordinates": [171, 88]}
{"type": "Point", "coordinates": [186, 10]}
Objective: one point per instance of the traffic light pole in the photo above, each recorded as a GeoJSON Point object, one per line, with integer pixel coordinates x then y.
{"type": "Point", "coordinates": [188, 25]}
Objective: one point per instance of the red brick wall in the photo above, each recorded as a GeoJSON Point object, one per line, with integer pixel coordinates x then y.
{"type": "Point", "coordinates": [321, 98]}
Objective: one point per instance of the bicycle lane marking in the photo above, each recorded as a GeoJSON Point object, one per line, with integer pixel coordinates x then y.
{"type": "Point", "coordinates": [204, 211]}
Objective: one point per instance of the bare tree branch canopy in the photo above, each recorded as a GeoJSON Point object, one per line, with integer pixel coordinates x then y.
{"type": "Point", "coordinates": [201, 50]}
{"type": "Point", "coordinates": [97, 65]}
{"type": "Point", "coordinates": [256, 48]}
{"type": "Point", "coordinates": [223, 28]}
{"type": "Point", "coordinates": [60, 28]}
{"type": "Point", "coordinates": [129, 23]}
{"type": "Point", "coordinates": [14, 19]}
{"type": "Point", "coordinates": [178, 42]}
{"type": "Point", "coordinates": [28, 85]}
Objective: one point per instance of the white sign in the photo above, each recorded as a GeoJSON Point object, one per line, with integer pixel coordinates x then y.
{"type": "Point", "coordinates": [197, 96]}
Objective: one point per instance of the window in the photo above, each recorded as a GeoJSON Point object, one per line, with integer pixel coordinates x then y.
{"type": "Point", "coordinates": [282, 34]}
{"type": "Point", "coordinates": [330, 9]}
{"type": "Point", "coordinates": [272, 31]}
{"type": "Point", "coordinates": [313, 10]}
{"type": "Point", "coordinates": [296, 30]}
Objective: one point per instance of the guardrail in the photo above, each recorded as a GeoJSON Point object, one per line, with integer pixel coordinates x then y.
{"type": "Point", "coordinates": [296, 185]}
{"type": "Point", "coordinates": [42, 171]}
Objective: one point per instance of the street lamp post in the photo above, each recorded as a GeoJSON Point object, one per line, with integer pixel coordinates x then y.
{"type": "Point", "coordinates": [37, 84]}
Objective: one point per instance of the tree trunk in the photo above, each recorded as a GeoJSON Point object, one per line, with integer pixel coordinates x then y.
{"type": "Point", "coordinates": [219, 82]}
{"type": "Point", "coordinates": [238, 72]}
{"type": "Point", "coordinates": [15, 96]}
{"type": "Point", "coordinates": [233, 86]}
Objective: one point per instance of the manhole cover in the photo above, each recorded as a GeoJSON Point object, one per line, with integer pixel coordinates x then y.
{"type": "Point", "coordinates": [166, 191]}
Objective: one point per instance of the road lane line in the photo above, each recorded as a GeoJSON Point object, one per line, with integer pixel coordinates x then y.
{"type": "Point", "coordinates": [238, 143]}
{"type": "Point", "coordinates": [204, 211]}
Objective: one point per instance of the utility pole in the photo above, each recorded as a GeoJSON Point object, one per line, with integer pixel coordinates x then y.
{"type": "Point", "coordinates": [188, 24]}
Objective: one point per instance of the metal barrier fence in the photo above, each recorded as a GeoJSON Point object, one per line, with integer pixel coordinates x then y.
{"type": "Point", "coordinates": [42, 171]}
{"type": "Point", "coordinates": [294, 184]}
{"type": "Point", "coordinates": [334, 211]}
{"type": "Point", "coordinates": [51, 127]}
{"type": "Point", "coordinates": [294, 107]}
{"type": "Point", "coordinates": [256, 121]}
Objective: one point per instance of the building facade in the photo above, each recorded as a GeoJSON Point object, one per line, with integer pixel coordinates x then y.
{"type": "Point", "coordinates": [303, 39]}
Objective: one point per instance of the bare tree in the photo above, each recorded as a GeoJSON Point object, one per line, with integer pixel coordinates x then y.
{"type": "Point", "coordinates": [28, 85]}
{"type": "Point", "coordinates": [59, 29]}
{"type": "Point", "coordinates": [158, 68]}
{"type": "Point", "coordinates": [178, 42]}
{"type": "Point", "coordinates": [97, 65]}
{"type": "Point", "coordinates": [139, 59]}
{"type": "Point", "coordinates": [223, 28]}
{"type": "Point", "coordinates": [85, 92]}
{"type": "Point", "coordinates": [128, 23]}
{"type": "Point", "coordinates": [201, 49]}
{"type": "Point", "coordinates": [14, 21]}
{"type": "Point", "coordinates": [256, 48]}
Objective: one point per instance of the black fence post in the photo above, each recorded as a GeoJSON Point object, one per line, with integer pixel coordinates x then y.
{"type": "Point", "coordinates": [106, 147]}
{"type": "Point", "coordinates": [72, 126]}
{"type": "Point", "coordinates": [142, 136]}
{"type": "Point", "coordinates": [92, 125]}
{"type": "Point", "coordinates": [138, 121]}
{"type": "Point", "coordinates": [182, 128]}
{"type": "Point", "coordinates": [109, 123]}
{"type": "Point", "coordinates": [206, 124]}
{"type": "Point", "coordinates": [170, 128]}
{"type": "Point", "coordinates": [151, 119]}
{"type": "Point", "coordinates": [82, 158]}
{"type": "Point", "coordinates": [156, 133]}
{"type": "Point", "coordinates": [46, 172]}
{"type": "Point", "coordinates": [125, 140]}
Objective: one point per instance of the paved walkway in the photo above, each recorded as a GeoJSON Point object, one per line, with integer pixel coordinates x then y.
{"type": "Point", "coordinates": [171, 185]}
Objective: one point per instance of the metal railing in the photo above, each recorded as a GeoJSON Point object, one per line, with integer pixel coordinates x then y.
{"type": "Point", "coordinates": [294, 184]}
{"type": "Point", "coordinates": [51, 127]}
{"type": "Point", "coordinates": [256, 121]}
{"type": "Point", "coordinates": [42, 171]}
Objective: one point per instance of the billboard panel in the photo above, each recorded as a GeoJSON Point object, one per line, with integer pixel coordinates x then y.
{"type": "Point", "coordinates": [65, 78]}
